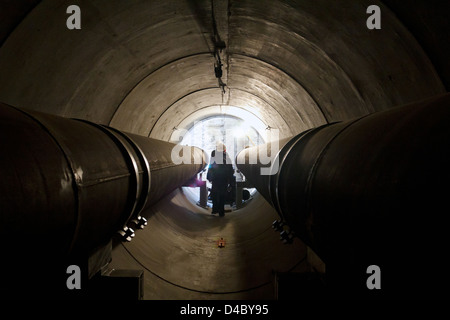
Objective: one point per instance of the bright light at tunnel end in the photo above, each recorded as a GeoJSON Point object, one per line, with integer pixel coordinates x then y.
{"type": "Point", "coordinates": [266, 156]}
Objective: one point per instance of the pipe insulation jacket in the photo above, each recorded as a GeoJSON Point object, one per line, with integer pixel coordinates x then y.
{"type": "Point", "coordinates": [68, 185]}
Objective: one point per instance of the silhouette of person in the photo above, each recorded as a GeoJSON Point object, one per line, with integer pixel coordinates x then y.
{"type": "Point", "coordinates": [220, 174]}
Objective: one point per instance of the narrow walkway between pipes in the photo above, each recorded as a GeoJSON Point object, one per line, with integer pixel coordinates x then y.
{"type": "Point", "coordinates": [180, 253]}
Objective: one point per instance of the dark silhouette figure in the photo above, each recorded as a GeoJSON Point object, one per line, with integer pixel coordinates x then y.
{"type": "Point", "coordinates": [220, 174]}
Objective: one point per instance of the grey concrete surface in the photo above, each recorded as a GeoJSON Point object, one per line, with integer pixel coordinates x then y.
{"type": "Point", "coordinates": [179, 252]}
{"type": "Point", "coordinates": [147, 67]}
{"type": "Point", "coordinates": [311, 61]}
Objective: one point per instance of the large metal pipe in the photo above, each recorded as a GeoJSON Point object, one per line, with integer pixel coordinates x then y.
{"type": "Point", "coordinates": [67, 186]}
{"type": "Point", "coordinates": [371, 191]}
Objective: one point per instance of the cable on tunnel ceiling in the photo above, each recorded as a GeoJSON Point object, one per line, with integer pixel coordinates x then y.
{"type": "Point", "coordinates": [219, 45]}
{"type": "Point", "coordinates": [204, 291]}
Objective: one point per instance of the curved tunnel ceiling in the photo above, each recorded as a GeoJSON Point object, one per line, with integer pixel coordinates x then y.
{"type": "Point", "coordinates": [301, 63]}
{"type": "Point", "coordinates": [147, 67]}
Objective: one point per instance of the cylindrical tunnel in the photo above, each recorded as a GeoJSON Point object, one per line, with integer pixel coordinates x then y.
{"type": "Point", "coordinates": [145, 68]}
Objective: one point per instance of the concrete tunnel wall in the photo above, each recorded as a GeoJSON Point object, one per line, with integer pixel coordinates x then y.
{"type": "Point", "coordinates": [146, 66]}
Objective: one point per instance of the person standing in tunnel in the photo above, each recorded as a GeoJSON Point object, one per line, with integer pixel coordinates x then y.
{"type": "Point", "coordinates": [220, 174]}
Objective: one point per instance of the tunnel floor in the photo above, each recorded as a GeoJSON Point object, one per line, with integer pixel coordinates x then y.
{"type": "Point", "coordinates": [181, 258]}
